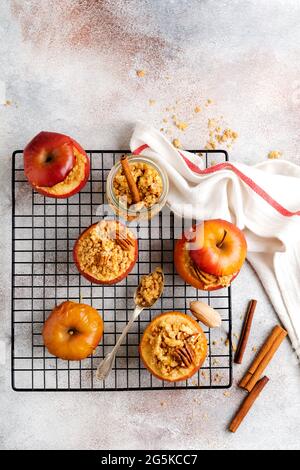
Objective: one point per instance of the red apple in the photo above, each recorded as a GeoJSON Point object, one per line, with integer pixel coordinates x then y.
{"type": "Point", "coordinates": [216, 248]}
{"type": "Point", "coordinates": [219, 248]}
{"type": "Point", "coordinates": [56, 165]}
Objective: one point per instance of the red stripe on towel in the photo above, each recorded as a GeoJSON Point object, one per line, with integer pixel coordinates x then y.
{"type": "Point", "coordinates": [228, 166]}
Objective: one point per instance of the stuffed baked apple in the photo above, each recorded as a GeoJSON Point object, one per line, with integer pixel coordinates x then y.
{"type": "Point", "coordinates": [106, 252]}
{"type": "Point", "coordinates": [211, 254]}
{"type": "Point", "coordinates": [56, 165]}
{"type": "Point", "coordinates": [173, 347]}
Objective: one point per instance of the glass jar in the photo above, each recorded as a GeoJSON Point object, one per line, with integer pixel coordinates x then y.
{"type": "Point", "coordinates": [136, 211]}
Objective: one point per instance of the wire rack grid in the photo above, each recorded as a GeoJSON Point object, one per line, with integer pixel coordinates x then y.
{"type": "Point", "coordinates": [44, 231]}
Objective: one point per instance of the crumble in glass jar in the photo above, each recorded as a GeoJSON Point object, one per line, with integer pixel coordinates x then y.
{"type": "Point", "coordinates": [152, 184]}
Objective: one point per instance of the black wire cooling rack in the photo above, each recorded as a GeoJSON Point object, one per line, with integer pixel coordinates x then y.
{"type": "Point", "coordinates": [44, 231]}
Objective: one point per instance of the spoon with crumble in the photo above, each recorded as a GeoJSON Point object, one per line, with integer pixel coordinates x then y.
{"type": "Point", "coordinates": [148, 292]}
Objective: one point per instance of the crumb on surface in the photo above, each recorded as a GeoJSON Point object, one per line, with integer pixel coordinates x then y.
{"type": "Point", "coordinates": [177, 143]}
{"type": "Point", "coordinates": [197, 109]}
{"type": "Point", "coordinates": [8, 103]}
{"type": "Point", "coordinates": [151, 102]}
{"type": "Point", "coordinates": [227, 394]}
{"type": "Point", "coordinates": [140, 73]}
{"type": "Point", "coordinates": [274, 154]}
{"type": "Point", "coordinates": [181, 125]}
{"type": "Point", "coordinates": [219, 135]}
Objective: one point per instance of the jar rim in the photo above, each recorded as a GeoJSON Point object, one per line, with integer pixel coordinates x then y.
{"type": "Point", "coordinates": [144, 210]}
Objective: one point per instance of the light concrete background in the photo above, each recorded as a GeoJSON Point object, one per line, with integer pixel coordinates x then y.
{"type": "Point", "coordinates": [71, 67]}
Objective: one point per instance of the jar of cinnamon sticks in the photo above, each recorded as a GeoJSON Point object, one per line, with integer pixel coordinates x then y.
{"type": "Point", "coordinates": [137, 188]}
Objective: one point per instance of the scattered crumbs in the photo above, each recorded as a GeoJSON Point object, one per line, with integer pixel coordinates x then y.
{"type": "Point", "coordinates": [199, 154]}
{"type": "Point", "coordinates": [216, 362]}
{"type": "Point", "coordinates": [227, 394]}
{"type": "Point", "coordinates": [203, 374]}
{"type": "Point", "coordinates": [254, 349]}
{"type": "Point", "coordinates": [235, 335]}
{"type": "Point", "coordinates": [219, 135]}
{"type": "Point", "coordinates": [208, 102]}
{"type": "Point", "coordinates": [165, 120]}
{"type": "Point", "coordinates": [217, 378]}
{"type": "Point", "coordinates": [274, 154]}
{"type": "Point", "coordinates": [181, 125]}
{"type": "Point", "coordinates": [234, 347]}
{"type": "Point", "coordinates": [167, 109]}
{"type": "Point", "coordinates": [8, 103]}
{"type": "Point", "coordinates": [194, 382]}
{"type": "Point", "coordinates": [177, 143]}
{"type": "Point", "coordinates": [196, 400]}
{"type": "Point", "coordinates": [140, 73]}
{"type": "Point", "coordinates": [214, 343]}
{"type": "Point", "coordinates": [94, 352]}
{"type": "Point", "coordinates": [161, 129]}
{"type": "Point", "coordinates": [227, 342]}
{"type": "Point", "coordinates": [213, 162]}
{"type": "Point", "coordinates": [152, 102]}
{"type": "Point", "coordinates": [212, 124]}
{"type": "Point", "coordinates": [162, 403]}
{"type": "Point", "coordinates": [197, 109]}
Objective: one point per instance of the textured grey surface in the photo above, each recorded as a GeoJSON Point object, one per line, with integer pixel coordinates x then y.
{"type": "Point", "coordinates": [70, 66]}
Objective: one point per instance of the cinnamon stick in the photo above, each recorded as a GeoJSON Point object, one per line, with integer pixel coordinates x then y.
{"type": "Point", "coordinates": [263, 358]}
{"type": "Point", "coordinates": [247, 404]}
{"type": "Point", "coordinates": [238, 359]}
{"type": "Point", "coordinates": [130, 180]}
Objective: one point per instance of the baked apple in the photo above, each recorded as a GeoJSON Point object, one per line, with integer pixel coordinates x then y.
{"type": "Point", "coordinates": [56, 165]}
{"type": "Point", "coordinates": [106, 252]}
{"type": "Point", "coordinates": [72, 331]}
{"type": "Point", "coordinates": [173, 347]}
{"type": "Point", "coordinates": [211, 254]}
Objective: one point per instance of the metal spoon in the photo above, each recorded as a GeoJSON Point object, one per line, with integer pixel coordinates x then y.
{"type": "Point", "coordinates": [106, 365]}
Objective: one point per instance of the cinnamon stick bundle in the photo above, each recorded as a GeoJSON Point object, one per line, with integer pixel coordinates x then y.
{"type": "Point", "coordinates": [238, 359]}
{"type": "Point", "coordinates": [263, 358]}
{"type": "Point", "coordinates": [247, 404]}
{"type": "Point", "coordinates": [130, 180]}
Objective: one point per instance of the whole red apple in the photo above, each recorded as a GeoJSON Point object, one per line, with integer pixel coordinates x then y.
{"type": "Point", "coordinates": [56, 165]}
{"type": "Point", "coordinates": [219, 248]}
{"type": "Point", "coordinates": [211, 254]}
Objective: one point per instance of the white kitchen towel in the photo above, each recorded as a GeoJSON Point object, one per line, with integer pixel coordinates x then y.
{"type": "Point", "coordinates": [262, 200]}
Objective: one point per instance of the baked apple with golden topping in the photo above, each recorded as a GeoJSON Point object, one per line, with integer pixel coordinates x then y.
{"type": "Point", "coordinates": [173, 347]}
{"type": "Point", "coordinates": [56, 165]}
{"type": "Point", "coordinates": [72, 331]}
{"type": "Point", "coordinates": [106, 252]}
{"type": "Point", "coordinates": [210, 255]}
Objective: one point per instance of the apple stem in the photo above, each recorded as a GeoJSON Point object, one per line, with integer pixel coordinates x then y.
{"type": "Point", "coordinates": [222, 241]}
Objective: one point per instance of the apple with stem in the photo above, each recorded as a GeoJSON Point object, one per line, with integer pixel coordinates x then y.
{"type": "Point", "coordinates": [56, 165]}
{"type": "Point", "coordinates": [212, 251]}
